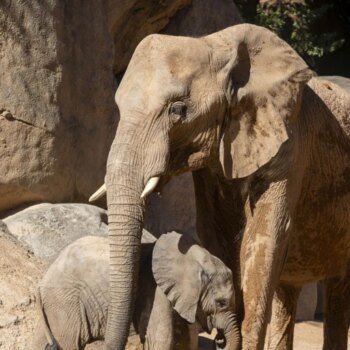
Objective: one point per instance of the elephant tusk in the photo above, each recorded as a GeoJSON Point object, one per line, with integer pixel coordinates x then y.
{"type": "Point", "coordinates": [150, 186]}
{"type": "Point", "coordinates": [99, 193]}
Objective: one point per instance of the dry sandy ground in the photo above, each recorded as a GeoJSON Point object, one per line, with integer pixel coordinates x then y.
{"type": "Point", "coordinates": [307, 336]}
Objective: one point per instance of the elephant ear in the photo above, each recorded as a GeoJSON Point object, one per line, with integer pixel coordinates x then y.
{"type": "Point", "coordinates": [177, 270]}
{"type": "Point", "coordinates": [263, 78]}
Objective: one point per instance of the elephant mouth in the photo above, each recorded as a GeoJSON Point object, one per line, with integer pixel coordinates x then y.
{"type": "Point", "coordinates": [220, 339]}
{"type": "Point", "coordinates": [209, 326]}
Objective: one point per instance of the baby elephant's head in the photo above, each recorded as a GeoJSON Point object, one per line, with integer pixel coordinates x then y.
{"type": "Point", "coordinates": [198, 285]}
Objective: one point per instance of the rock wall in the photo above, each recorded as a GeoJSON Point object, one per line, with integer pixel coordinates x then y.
{"type": "Point", "coordinates": [130, 21]}
{"type": "Point", "coordinates": [56, 100]}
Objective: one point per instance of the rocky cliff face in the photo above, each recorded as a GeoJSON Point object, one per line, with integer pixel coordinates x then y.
{"type": "Point", "coordinates": [20, 271]}
{"type": "Point", "coordinates": [56, 100]}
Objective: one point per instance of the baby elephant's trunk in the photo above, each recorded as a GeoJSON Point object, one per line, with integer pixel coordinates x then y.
{"type": "Point", "coordinates": [229, 337]}
{"type": "Point", "coordinates": [52, 344]}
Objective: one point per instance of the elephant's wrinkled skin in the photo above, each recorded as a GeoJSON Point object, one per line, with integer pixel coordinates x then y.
{"type": "Point", "coordinates": [73, 295]}
{"type": "Point", "coordinates": [270, 153]}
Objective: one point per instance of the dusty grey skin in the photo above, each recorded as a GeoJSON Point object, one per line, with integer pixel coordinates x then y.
{"type": "Point", "coordinates": [270, 153]}
{"type": "Point", "coordinates": [73, 295]}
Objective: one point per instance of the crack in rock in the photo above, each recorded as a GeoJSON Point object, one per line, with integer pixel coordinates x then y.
{"type": "Point", "coordinates": [10, 117]}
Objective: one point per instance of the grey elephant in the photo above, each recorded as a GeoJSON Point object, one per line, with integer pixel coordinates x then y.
{"type": "Point", "coordinates": [175, 274]}
{"type": "Point", "coordinates": [269, 148]}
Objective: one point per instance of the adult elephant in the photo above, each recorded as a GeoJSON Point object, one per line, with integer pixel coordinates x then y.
{"type": "Point", "coordinates": [271, 162]}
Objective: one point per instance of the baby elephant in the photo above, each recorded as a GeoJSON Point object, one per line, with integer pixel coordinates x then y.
{"type": "Point", "coordinates": [175, 274]}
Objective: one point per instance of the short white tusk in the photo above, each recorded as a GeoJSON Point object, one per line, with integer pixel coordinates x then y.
{"type": "Point", "coordinates": [99, 193]}
{"type": "Point", "coordinates": [150, 186]}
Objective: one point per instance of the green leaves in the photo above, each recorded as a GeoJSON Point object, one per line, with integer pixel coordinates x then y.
{"type": "Point", "coordinates": [298, 23]}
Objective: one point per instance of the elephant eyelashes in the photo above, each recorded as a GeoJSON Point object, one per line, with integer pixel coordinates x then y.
{"type": "Point", "coordinates": [178, 111]}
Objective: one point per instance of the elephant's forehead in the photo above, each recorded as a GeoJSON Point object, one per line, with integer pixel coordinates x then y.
{"type": "Point", "coordinates": [185, 61]}
{"type": "Point", "coordinates": [164, 69]}
{"type": "Point", "coordinates": [162, 49]}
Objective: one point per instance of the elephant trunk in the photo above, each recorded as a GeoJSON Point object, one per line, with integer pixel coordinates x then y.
{"type": "Point", "coordinates": [125, 180]}
{"type": "Point", "coordinates": [228, 337]}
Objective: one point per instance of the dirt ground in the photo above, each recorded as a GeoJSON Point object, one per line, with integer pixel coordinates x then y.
{"type": "Point", "coordinates": [307, 336]}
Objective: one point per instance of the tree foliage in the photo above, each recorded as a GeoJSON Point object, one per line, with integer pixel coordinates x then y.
{"type": "Point", "coordinates": [302, 24]}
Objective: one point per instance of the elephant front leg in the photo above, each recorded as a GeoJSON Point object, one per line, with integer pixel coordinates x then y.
{"type": "Point", "coordinates": [281, 327]}
{"type": "Point", "coordinates": [337, 312]}
{"type": "Point", "coordinates": [160, 329]}
{"type": "Point", "coordinates": [263, 254]}
{"type": "Point", "coordinates": [186, 335]}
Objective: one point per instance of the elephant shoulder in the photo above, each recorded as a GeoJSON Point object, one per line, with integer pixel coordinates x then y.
{"type": "Point", "coordinates": [335, 98]}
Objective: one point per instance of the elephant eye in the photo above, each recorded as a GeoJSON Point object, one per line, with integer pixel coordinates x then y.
{"type": "Point", "coordinates": [221, 303]}
{"type": "Point", "coordinates": [178, 110]}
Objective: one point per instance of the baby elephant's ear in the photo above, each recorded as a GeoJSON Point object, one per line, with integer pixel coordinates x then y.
{"type": "Point", "coordinates": [177, 273]}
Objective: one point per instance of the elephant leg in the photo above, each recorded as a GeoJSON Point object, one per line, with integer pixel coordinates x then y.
{"type": "Point", "coordinates": [67, 319]}
{"type": "Point", "coordinates": [39, 340]}
{"type": "Point", "coordinates": [160, 329]}
{"type": "Point", "coordinates": [263, 254]}
{"type": "Point", "coordinates": [220, 213]}
{"type": "Point", "coordinates": [186, 335]}
{"type": "Point", "coordinates": [337, 312]}
{"type": "Point", "coordinates": [281, 328]}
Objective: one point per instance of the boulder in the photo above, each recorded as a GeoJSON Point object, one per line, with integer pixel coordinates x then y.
{"type": "Point", "coordinates": [45, 229]}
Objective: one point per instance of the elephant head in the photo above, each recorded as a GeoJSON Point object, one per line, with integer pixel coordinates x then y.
{"type": "Point", "coordinates": [198, 285]}
{"type": "Point", "coordinates": [226, 101]}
